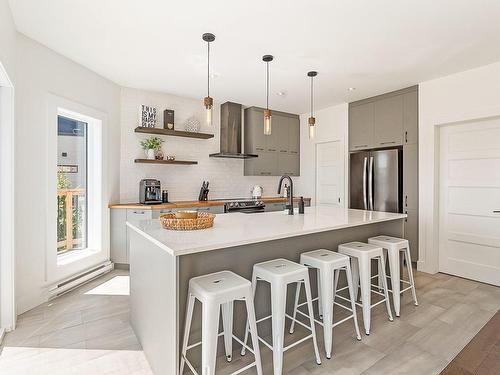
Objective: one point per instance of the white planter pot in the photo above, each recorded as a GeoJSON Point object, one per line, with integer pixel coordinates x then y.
{"type": "Point", "coordinates": [150, 154]}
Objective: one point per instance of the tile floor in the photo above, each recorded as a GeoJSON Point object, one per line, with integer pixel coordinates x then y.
{"type": "Point", "coordinates": [87, 332]}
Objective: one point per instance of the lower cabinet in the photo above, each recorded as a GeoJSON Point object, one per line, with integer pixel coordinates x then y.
{"type": "Point", "coordinates": [411, 232]}
{"type": "Point", "coordinates": [119, 251]}
{"type": "Point", "coordinates": [274, 207]}
{"type": "Point", "coordinates": [119, 244]}
{"type": "Point", "coordinates": [280, 206]}
{"type": "Point", "coordinates": [118, 236]}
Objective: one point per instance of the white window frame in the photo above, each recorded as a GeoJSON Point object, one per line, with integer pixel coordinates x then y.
{"type": "Point", "coordinates": [59, 267]}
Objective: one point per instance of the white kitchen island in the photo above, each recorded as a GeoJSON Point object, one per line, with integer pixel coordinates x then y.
{"type": "Point", "coordinates": [163, 261]}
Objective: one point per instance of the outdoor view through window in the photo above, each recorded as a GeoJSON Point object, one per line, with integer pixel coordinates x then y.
{"type": "Point", "coordinates": [71, 184]}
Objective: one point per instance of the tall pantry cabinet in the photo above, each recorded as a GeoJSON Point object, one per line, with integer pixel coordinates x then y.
{"type": "Point", "coordinates": [391, 121]}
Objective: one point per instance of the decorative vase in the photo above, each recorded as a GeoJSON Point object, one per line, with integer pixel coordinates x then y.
{"type": "Point", "coordinates": [150, 154]}
{"type": "Point", "coordinates": [192, 125]}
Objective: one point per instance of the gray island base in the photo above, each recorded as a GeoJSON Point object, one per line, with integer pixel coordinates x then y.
{"type": "Point", "coordinates": [162, 262]}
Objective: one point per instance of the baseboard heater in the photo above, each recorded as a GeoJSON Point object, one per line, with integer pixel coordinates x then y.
{"type": "Point", "coordinates": [75, 281]}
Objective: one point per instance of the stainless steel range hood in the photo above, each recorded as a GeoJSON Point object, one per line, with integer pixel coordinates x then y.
{"type": "Point", "coordinates": [230, 132]}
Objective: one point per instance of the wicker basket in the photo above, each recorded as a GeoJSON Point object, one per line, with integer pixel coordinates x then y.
{"type": "Point", "coordinates": [204, 221]}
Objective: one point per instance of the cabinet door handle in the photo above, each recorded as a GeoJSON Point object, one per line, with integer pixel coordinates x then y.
{"type": "Point", "coordinates": [259, 149]}
{"type": "Point", "coordinates": [496, 211]}
{"type": "Point", "coordinates": [294, 152]}
{"type": "Point", "coordinates": [387, 143]}
{"type": "Point", "coordinates": [406, 218]}
{"type": "Point", "coordinates": [359, 146]}
{"type": "Point", "coordinates": [283, 151]}
{"type": "Point", "coordinates": [406, 136]}
{"type": "Point", "coordinates": [406, 200]}
{"type": "Point", "coordinates": [139, 212]}
{"type": "Point", "coordinates": [271, 149]}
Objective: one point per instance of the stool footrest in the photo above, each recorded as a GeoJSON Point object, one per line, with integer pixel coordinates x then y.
{"type": "Point", "coordinates": [373, 305]}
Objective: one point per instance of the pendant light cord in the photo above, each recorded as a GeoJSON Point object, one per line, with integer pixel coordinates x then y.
{"type": "Point", "coordinates": [312, 96]}
{"type": "Point", "coordinates": [208, 70]}
{"type": "Point", "coordinates": [267, 86]}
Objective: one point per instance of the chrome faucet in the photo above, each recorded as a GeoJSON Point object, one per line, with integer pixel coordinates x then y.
{"type": "Point", "coordinates": [289, 206]}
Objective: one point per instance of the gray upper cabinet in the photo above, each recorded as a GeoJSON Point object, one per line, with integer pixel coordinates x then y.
{"type": "Point", "coordinates": [255, 140]}
{"type": "Point", "coordinates": [384, 121]}
{"type": "Point", "coordinates": [294, 135]}
{"type": "Point", "coordinates": [410, 117]}
{"type": "Point", "coordinates": [278, 153]}
{"type": "Point", "coordinates": [388, 121]}
{"type": "Point", "coordinates": [361, 126]}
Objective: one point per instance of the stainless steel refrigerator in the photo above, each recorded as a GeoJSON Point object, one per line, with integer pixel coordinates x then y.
{"type": "Point", "coordinates": [376, 180]}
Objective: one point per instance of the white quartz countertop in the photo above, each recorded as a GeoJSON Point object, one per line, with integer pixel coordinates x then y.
{"type": "Point", "coordinates": [235, 229]}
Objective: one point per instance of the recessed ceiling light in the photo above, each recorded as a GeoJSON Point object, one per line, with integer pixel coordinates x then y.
{"type": "Point", "coordinates": [281, 93]}
{"type": "Point", "coordinates": [351, 88]}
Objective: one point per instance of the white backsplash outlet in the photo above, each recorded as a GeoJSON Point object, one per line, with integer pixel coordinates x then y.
{"type": "Point", "coordinates": [183, 182]}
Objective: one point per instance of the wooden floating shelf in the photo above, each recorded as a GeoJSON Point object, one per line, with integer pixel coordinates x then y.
{"type": "Point", "coordinates": [175, 133]}
{"type": "Point", "coordinates": [178, 162]}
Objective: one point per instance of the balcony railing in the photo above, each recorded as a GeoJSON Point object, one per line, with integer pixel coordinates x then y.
{"type": "Point", "coordinates": [71, 212]}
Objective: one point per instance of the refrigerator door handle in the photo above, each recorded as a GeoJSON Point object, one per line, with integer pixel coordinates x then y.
{"type": "Point", "coordinates": [365, 162]}
{"type": "Point", "coordinates": [370, 184]}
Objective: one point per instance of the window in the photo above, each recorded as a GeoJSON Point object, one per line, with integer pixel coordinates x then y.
{"type": "Point", "coordinates": [77, 193]}
{"type": "Point", "coordinates": [72, 203]}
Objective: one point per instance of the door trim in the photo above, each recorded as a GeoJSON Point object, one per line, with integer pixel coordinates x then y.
{"type": "Point", "coordinates": [7, 199]}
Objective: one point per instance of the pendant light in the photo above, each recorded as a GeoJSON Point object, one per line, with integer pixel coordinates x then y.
{"type": "Point", "coordinates": [312, 120]}
{"type": "Point", "coordinates": [267, 112]}
{"type": "Point", "coordinates": [208, 102]}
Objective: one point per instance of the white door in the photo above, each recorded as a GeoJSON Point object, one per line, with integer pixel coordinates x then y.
{"type": "Point", "coordinates": [469, 226]}
{"type": "Point", "coordinates": [330, 173]}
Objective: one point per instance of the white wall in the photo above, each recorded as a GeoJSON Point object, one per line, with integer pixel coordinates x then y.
{"type": "Point", "coordinates": [331, 126]}
{"type": "Point", "coordinates": [41, 72]}
{"type": "Point", "coordinates": [472, 94]}
{"type": "Point", "coordinates": [7, 38]}
{"type": "Point", "coordinates": [183, 182]}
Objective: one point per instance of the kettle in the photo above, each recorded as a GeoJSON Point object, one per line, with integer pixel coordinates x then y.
{"type": "Point", "coordinates": [257, 192]}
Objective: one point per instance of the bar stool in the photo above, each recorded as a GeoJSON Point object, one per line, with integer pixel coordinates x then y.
{"type": "Point", "coordinates": [361, 255]}
{"type": "Point", "coordinates": [279, 273]}
{"type": "Point", "coordinates": [214, 291]}
{"type": "Point", "coordinates": [328, 265]}
{"type": "Point", "coordinates": [394, 247]}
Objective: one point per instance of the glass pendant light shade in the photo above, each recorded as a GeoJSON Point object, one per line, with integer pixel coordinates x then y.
{"type": "Point", "coordinates": [208, 102]}
{"type": "Point", "coordinates": [267, 122]}
{"type": "Point", "coordinates": [312, 127]}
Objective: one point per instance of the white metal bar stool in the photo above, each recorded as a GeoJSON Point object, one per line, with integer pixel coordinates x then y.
{"type": "Point", "coordinates": [361, 255]}
{"type": "Point", "coordinates": [214, 291]}
{"type": "Point", "coordinates": [328, 265]}
{"type": "Point", "coordinates": [395, 247]}
{"type": "Point", "coordinates": [279, 273]}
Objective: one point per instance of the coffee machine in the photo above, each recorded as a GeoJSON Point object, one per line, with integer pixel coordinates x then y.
{"type": "Point", "coordinates": [150, 191]}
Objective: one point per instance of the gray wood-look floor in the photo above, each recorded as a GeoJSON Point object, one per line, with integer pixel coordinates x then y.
{"type": "Point", "coordinates": [87, 332]}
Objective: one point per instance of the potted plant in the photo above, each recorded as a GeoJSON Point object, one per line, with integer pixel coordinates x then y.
{"type": "Point", "coordinates": [151, 146]}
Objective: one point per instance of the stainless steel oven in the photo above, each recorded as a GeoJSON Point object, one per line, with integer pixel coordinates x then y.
{"type": "Point", "coordinates": [244, 206]}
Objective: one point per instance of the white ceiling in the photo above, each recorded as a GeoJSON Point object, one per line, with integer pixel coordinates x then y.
{"type": "Point", "coordinates": [375, 46]}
